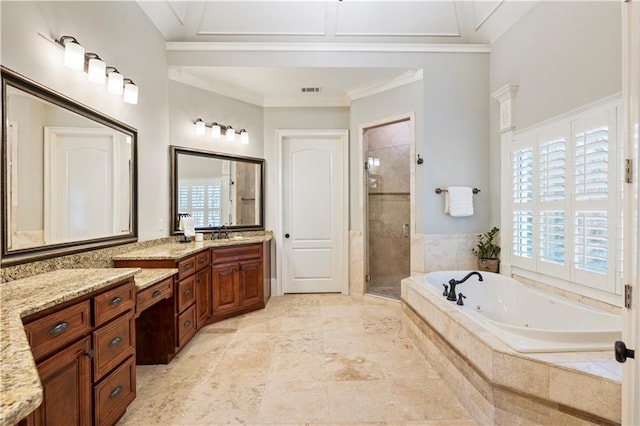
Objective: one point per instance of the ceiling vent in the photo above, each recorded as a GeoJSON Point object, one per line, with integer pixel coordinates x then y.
{"type": "Point", "coordinates": [310, 90]}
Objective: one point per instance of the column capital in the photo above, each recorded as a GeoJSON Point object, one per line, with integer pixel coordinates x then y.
{"type": "Point", "coordinates": [505, 97]}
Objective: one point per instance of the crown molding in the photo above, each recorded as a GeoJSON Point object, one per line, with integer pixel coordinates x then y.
{"type": "Point", "coordinates": [193, 79]}
{"type": "Point", "coordinates": [407, 78]}
{"type": "Point", "coordinates": [206, 46]}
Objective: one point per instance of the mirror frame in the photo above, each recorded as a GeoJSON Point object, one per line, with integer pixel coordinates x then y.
{"type": "Point", "coordinates": [18, 256]}
{"type": "Point", "coordinates": [175, 150]}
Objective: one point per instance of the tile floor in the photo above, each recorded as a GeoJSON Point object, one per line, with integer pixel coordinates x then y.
{"type": "Point", "coordinates": [305, 359]}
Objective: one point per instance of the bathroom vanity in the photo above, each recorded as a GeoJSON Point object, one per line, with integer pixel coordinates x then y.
{"type": "Point", "coordinates": [215, 279]}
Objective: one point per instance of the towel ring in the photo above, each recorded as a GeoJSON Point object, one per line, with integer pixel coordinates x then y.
{"type": "Point", "coordinates": [440, 190]}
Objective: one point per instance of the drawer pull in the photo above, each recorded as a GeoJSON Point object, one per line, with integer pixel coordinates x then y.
{"type": "Point", "coordinates": [202, 259]}
{"type": "Point", "coordinates": [58, 328]}
{"type": "Point", "coordinates": [187, 292]}
{"type": "Point", "coordinates": [187, 323]}
{"type": "Point", "coordinates": [89, 354]}
{"type": "Point", "coordinates": [115, 301]}
{"type": "Point", "coordinates": [115, 342]}
{"type": "Point", "coordinates": [156, 293]}
{"type": "Point", "coordinates": [188, 266]}
{"type": "Point", "coordinates": [116, 392]}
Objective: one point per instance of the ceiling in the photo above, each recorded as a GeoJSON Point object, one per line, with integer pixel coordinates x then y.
{"type": "Point", "coordinates": [359, 24]}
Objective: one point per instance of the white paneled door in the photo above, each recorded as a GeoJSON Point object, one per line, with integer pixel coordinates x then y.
{"type": "Point", "coordinates": [314, 211]}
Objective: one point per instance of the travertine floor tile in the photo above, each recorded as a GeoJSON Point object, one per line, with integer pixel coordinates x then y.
{"type": "Point", "coordinates": [304, 360]}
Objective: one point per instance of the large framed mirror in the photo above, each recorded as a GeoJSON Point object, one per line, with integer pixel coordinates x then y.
{"type": "Point", "coordinates": [69, 179]}
{"type": "Point", "coordinates": [216, 190]}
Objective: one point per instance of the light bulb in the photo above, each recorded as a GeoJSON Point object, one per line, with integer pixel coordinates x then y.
{"type": "Point", "coordinates": [115, 83]}
{"type": "Point", "coordinates": [215, 130]}
{"type": "Point", "coordinates": [200, 127]}
{"type": "Point", "coordinates": [130, 93]}
{"type": "Point", "coordinates": [74, 55]}
{"type": "Point", "coordinates": [97, 71]}
{"type": "Point", "coordinates": [231, 134]}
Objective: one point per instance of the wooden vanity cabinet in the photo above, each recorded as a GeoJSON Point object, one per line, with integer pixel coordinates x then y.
{"type": "Point", "coordinates": [80, 348]}
{"type": "Point", "coordinates": [238, 280]}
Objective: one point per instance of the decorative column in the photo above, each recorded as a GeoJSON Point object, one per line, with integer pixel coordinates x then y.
{"type": "Point", "coordinates": [505, 96]}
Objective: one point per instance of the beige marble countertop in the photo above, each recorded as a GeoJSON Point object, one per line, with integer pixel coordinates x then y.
{"type": "Point", "coordinates": [149, 276]}
{"type": "Point", "coordinates": [174, 251]}
{"type": "Point", "coordinates": [20, 389]}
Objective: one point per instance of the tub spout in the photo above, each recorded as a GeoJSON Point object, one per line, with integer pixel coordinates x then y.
{"type": "Point", "coordinates": [453, 283]}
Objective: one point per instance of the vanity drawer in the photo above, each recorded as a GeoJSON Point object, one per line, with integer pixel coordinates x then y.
{"type": "Point", "coordinates": [186, 267]}
{"type": "Point", "coordinates": [154, 294]}
{"type": "Point", "coordinates": [112, 303]}
{"type": "Point", "coordinates": [115, 393]}
{"type": "Point", "coordinates": [236, 253]}
{"type": "Point", "coordinates": [58, 329]}
{"type": "Point", "coordinates": [186, 326]}
{"type": "Point", "coordinates": [186, 293]}
{"type": "Point", "coordinates": [113, 343]}
{"type": "Point", "coordinates": [202, 260]}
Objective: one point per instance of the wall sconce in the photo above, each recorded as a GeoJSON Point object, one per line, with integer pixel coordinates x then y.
{"type": "Point", "coordinates": [73, 53]}
{"type": "Point", "coordinates": [217, 129]}
{"type": "Point", "coordinates": [97, 70]}
{"type": "Point", "coordinates": [231, 134]}
{"type": "Point", "coordinates": [244, 137]}
{"type": "Point", "coordinates": [130, 92]}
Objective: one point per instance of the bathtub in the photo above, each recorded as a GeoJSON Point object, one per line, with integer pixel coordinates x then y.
{"type": "Point", "coordinates": [526, 319]}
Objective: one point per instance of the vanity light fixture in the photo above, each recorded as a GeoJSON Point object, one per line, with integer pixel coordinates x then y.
{"type": "Point", "coordinates": [96, 69]}
{"type": "Point", "coordinates": [244, 137]}
{"type": "Point", "coordinates": [231, 134]}
{"type": "Point", "coordinates": [200, 126]}
{"type": "Point", "coordinates": [217, 130]}
{"type": "Point", "coordinates": [73, 52]}
{"type": "Point", "coordinates": [130, 92]}
{"type": "Point", "coordinates": [115, 81]}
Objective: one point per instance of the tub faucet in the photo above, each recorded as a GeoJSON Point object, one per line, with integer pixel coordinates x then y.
{"type": "Point", "coordinates": [453, 283]}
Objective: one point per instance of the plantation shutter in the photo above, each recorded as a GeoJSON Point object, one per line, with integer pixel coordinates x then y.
{"type": "Point", "coordinates": [522, 190]}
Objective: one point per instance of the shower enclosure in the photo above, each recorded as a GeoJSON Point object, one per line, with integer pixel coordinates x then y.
{"type": "Point", "coordinates": [387, 155]}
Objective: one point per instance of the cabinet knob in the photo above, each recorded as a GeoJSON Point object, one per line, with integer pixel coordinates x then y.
{"type": "Point", "coordinates": [156, 293]}
{"type": "Point", "coordinates": [187, 292]}
{"type": "Point", "coordinates": [286, 235]}
{"type": "Point", "coordinates": [187, 323]}
{"type": "Point", "coordinates": [115, 301]}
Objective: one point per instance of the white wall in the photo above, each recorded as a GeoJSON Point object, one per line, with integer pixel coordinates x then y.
{"type": "Point", "coordinates": [125, 38]}
{"type": "Point", "coordinates": [563, 55]}
{"type": "Point", "coordinates": [292, 118]}
{"type": "Point", "coordinates": [187, 103]}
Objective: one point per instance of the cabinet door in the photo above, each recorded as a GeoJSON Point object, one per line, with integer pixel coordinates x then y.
{"type": "Point", "coordinates": [250, 282]}
{"type": "Point", "coordinates": [226, 296]}
{"type": "Point", "coordinates": [66, 383]}
{"type": "Point", "coordinates": [203, 296]}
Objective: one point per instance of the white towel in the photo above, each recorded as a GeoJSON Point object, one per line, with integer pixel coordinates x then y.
{"type": "Point", "coordinates": [187, 226]}
{"type": "Point", "coordinates": [459, 201]}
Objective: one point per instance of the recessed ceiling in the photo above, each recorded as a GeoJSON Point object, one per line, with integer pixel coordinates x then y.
{"type": "Point", "coordinates": [336, 22]}
{"type": "Point", "coordinates": [267, 86]}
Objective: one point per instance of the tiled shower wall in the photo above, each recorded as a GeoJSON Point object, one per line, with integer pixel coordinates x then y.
{"type": "Point", "coordinates": [388, 187]}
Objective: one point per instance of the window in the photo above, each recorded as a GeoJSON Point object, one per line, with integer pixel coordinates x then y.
{"type": "Point", "coordinates": [202, 199]}
{"type": "Point", "coordinates": [565, 198]}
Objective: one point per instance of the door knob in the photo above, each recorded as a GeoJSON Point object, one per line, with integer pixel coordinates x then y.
{"type": "Point", "coordinates": [286, 235]}
{"type": "Point", "coordinates": [622, 353]}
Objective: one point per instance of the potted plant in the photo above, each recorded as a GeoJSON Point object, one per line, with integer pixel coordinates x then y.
{"type": "Point", "coordinates": [488, 251]}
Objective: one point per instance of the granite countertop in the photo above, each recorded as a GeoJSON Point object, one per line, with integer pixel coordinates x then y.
{"type": "Point", "coordinates": [148, 277]}
{"type": "Point", "coordinates": [20, 388]}
{"type": "Point", "coordinates": [174, 251]}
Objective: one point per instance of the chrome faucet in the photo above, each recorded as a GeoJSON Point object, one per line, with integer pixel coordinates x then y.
{"type": "Point", "coordinates": [453, 283]}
